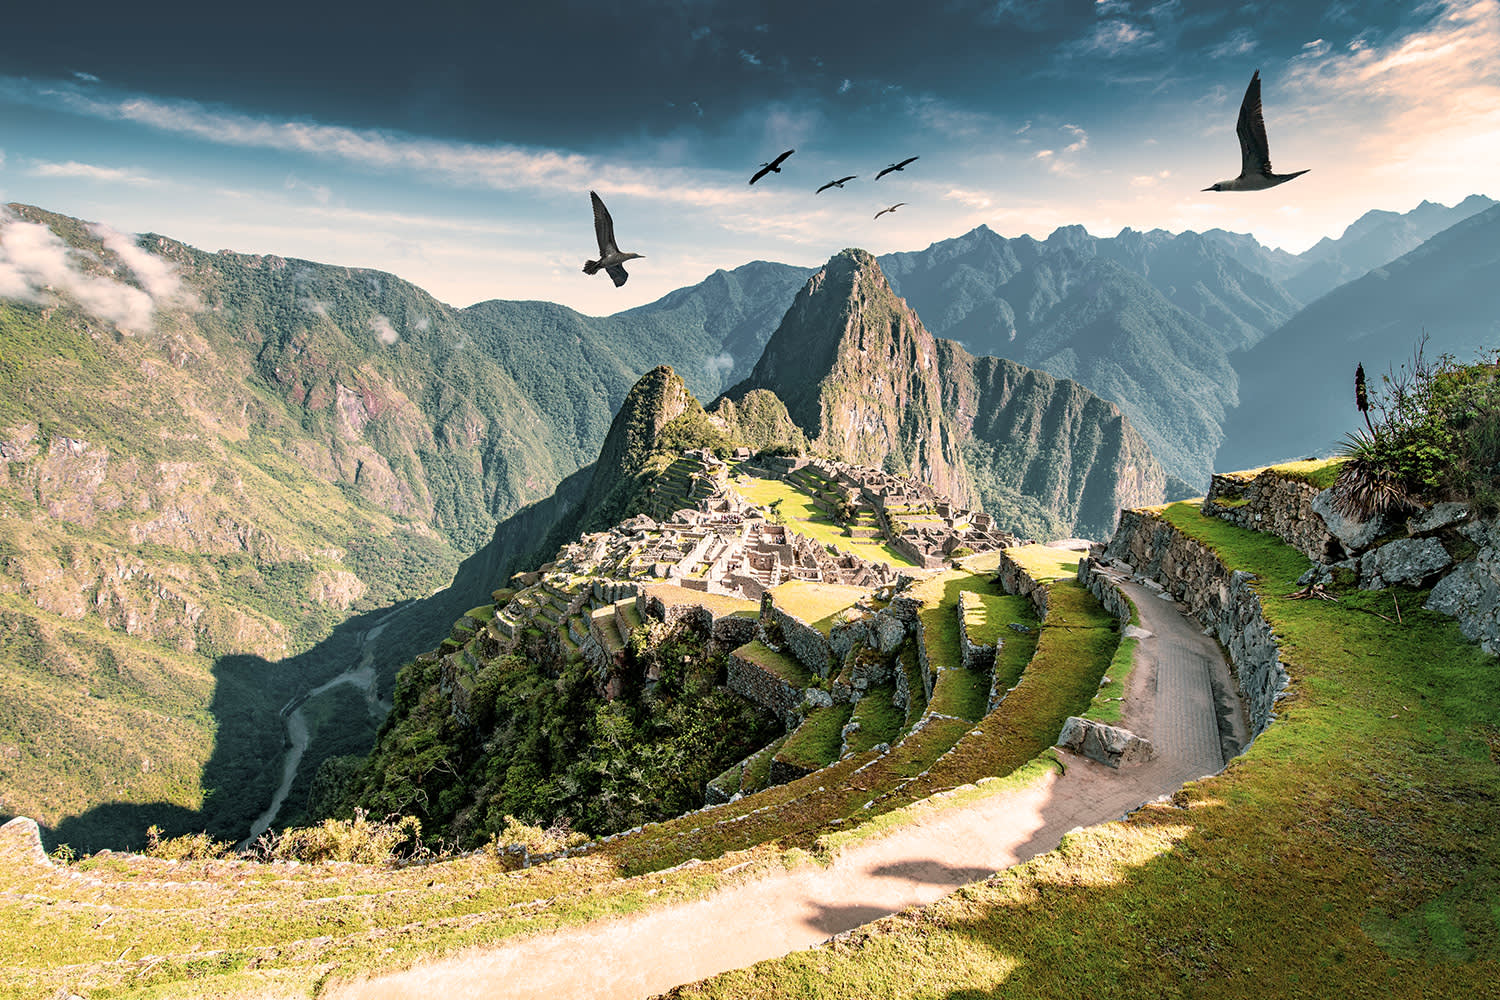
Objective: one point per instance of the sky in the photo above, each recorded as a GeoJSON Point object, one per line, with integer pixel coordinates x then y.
{"type": "Point", "coordinates": [456, 146]}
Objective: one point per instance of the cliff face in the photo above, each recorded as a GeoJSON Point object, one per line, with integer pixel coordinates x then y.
{"type": "Point", "coordinates": [870, 385]}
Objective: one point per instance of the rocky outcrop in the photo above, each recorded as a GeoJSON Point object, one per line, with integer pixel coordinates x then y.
{"type": "Point", "coordinates": [1223, 600]}
{"type": "Point", "coordinates": [1471, 593]}
{"type": "Point", "coordinates": [870, 385]}
{"type": "Point", "coordinates": [1107, 744]}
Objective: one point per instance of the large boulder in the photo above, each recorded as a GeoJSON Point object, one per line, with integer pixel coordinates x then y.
{"type": "Point", "coordinates": [1107, 744]}
{"type": "Point", "coordinates": [1439, 516]}
{"type": "Point", "coordinates": [1471, 593]}
{"type": "Point", "coordinates": [1410, 561]}
{"type": "Point", "coordinates": [1354, 536]}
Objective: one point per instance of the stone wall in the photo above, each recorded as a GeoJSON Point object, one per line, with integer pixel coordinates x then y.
{"type": "Point", "coordinates": [747, 679]}
{"type": "Point", "coordinates": [973, 656]}
{"type": "Point", "coordinates": [1016, 580]}
{"type": "Point", "coordinates": [1092, 574]}
{"type": "Point", "coordinates": [1221, 599]}
{"type": "Point", "coordinates": [805, 643]}
{"type": "Point", "coordinates": [1276, 505]}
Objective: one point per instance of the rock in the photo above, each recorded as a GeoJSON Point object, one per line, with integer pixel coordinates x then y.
{"type": "Point", "coordinates": [1471, 594]}
{"type": "Point", "coordinates": [1440, 516]}
{"type": "Point", "coordinates": [1354, 536]}
{"type": "Point", "coordinates": [889, 632]}
{"type": "Point", "coordinates": [818, 698]}
{"type": "Point", "coordinates": [1136, 632]}
{"type": "Point", "coordinates": [1109, 745]}
{"type": "Point", "coordinates": [1410, 561]}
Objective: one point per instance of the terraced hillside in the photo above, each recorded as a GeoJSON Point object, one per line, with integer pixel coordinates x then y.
{"type": "Point", "coordinates": [1345, 853]}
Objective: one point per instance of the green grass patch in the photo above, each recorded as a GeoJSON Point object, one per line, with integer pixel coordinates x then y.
{"type": "Point", "coordinates": [1044, 563]}
{"type": "Point", "coordinates": [989, 615]}
{"type": "Point", "coordinates": [758, 767]}
{"type": "Point", "coordinates": [804, 517]}
{"type": "Point", "coordinates": [961, 692]}
{"type": "Point", "coordinates": [1109, 701]}
{"type": "Point", "coordinates": [878, 717]}
{"type": "Point", "coordinates": [780, 664]}
{"type": "Point", "coordinates": [818, 604]}
{"type": "Point", "coordinates": [816, 742]}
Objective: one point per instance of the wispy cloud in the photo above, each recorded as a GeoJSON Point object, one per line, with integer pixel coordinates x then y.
{"type": "Point", "coordinates": [37, 266]}
{"type": "Point", "coordinates": [157, 274]}
{"type": "Point", "coordinates": [320, 192]}
{"type": "Point", "coordinates": [1112, 38]}
{"type": "Point", "coordinates": [85, 77]}
{"type": "Point", "coordinates": [383, 330]}
{"type": "Point", "coordinates": [94, 172]}
{"type": "Point", "coordinates": [749, 58]}
{"type": "Point", "coordinates": [719, 365]}
{"type": "Point", "coordinates": [845, 86]}
{"type": "Point", "coordinates": [1239, 42]}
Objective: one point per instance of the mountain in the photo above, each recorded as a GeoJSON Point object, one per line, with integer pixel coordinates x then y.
{"type": "Point", "coordinates": [220, 471]}
{"type": "Point", "coordinates": [1374, 240]}
{"type": "Point", "coordinates": [1145, 320]}
{"type": "Point", "coordinates": [1296, 386]}
{"type": "Point", "coordinates": [868, 384]}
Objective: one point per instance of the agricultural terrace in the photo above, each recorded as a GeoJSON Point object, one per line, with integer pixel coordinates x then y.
{"type": "Point", "coordinates": [803, 516]}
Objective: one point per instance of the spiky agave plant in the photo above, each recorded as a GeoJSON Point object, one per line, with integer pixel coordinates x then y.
{"type": "Point", "coordinates": [1366, 483]}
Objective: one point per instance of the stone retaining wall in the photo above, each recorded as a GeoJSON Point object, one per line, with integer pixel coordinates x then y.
{"type": "Point", "coordinates": [749, 680]}
{"type": "Point", "coordinates": [1221, 599]}
{"type": "Point", "coordinates": [1091, 574]}
{"type": "Point", "coordinates": [805, 643]}
{"type": "Point", "coordinates": [1276, 505]}
{"type": "Point", "coordinates": [973, 656]}
{"type": "Point", "coordinates": [1016, 580]}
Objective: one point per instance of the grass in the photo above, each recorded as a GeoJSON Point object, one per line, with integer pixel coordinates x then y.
{"type": "Point", "coordinates": [803, 517]}
{"type": "Point", "coordinates": [781, 665]}
{"type": "Point", "coordinates": [989, 615]}
{"type": "Point", "coordinates": [961, 692]}
{"type": "Point", "coordinates": [1045, 563]}
{"type": "Point", "coordinates": [718, 604]}
{"type": "Point", "coordinates": [816, 742]}
{"type": "Point", "coordinates": [1349, 852]}
{"type": "Point", "coordinates": [818, 604]}
{"type": "Point", "coordinates": [1319, 472]}
{"type": "Point", "coordinates": [878, 717]}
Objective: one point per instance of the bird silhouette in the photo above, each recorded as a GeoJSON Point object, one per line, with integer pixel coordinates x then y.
{"type": "Point", "coordinates": [610, 257]}
{"type": "Point", "coordinates": [891, 209]}
{"type": "Point", "coordinates": [835, 184]}
{"type": "Point", "coordinates": [774, 167]}
{"type": "Point", "coordinates": [1255, 153]}
{"type": "Point", "coordinates": [896, 166]}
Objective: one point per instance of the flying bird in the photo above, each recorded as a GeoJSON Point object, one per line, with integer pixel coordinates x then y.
{"type": "Point", "coordinates": [610, 257]}
{"type": "Point", "coordinates": [1255, 154]}
{"type": "Point", "coordinates": [835, 184]}
{"type": "Point", "coordinates": [891, 209]}
{"type": "Point", "coordinates": [774, 167]}
{"type": "Point", "coordinates": [896, 166]}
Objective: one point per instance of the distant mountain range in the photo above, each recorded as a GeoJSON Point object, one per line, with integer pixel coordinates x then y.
{"type": "Point", "coordinates": [1297, 385]}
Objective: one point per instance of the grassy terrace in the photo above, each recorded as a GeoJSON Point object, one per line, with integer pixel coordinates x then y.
{"type": "Point", "coordinates": [817, 741]}
{"type": "Point", "coordinates": [806, 519]}
{"type": "Point", "coordinates": [233, 929]}
{"type": "Point", "coordinates": [818, 604]}
{"type": "Point", "coordinates": [672, 596]}
{"type": "Point", "coordinates": [1350, 852]}
{"type": "Point", "coordinates": [1045, 563]}
{"type": "Point", "coordinates": [783, 666]}
{"type": "Point", "coordinates": [879, 719]}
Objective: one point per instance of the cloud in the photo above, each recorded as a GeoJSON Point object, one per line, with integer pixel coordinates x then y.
{"type": "Point", "coordinates": [422, 324]}
{"type": "Point", "coordinates": [315, 306]}
{"type": "Point", "coordinates": [749, 58]}
{"type": "Point", "coordinates": [1112, 38]}
{"type": "Point", "coordinates": [36, 266]}
{"type": "Point", "coordinates": [719, 365]}
{"type": "Point", "coordinates": [157, 274]}
{"type": "Point", "coordinates": [1315, 48]}
{"type": "Point", "coordinates": [845, 85]}
{"type": "Point", "coordinates": [700, 33]}
{"type": "Point", "coordinates": [93, 172]}
{"type": "Point", "coordinates": [85, 77]}
{"type": "Point", "coordinates": [383, 330]}
{"type": "Point", "coordinates": [1239, 42]}
{"type": "Point", "coordinates": [1080, 139]}
{"type": "Point", "coordinates": [498, 167]}
{"type": "Point", "coordinates": [969, 198]}
{"type": "Point", "coordinates": [320, 192]}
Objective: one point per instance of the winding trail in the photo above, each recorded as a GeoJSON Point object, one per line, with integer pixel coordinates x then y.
{"type": "Point", "coordinates": [1179, 686]}
{"type": "Point", "coordinates": [294, 719]}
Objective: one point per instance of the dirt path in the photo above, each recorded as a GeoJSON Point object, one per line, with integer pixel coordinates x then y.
{"type": "Point", "coordinates": [1171, 690]}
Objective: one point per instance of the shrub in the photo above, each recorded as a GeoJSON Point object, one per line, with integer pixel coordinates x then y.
{"type": "Point", "coordinates": [382, 842]}
{"type": "Point", "coordinates": [1435, 436]}
{"type": "Point", "coordinates": [189, 847]}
